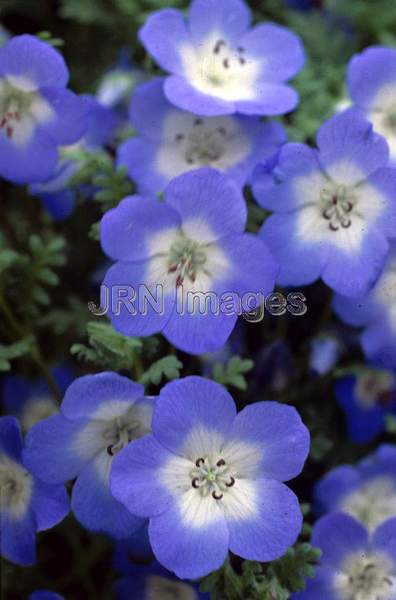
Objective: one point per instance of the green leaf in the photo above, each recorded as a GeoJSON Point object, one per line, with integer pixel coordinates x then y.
{"type": "Point", "coordinates": [16, 350]}
{"type": "Point", "coordinates": [168, 367]}
{"type": "Point", "coordinates": [233, 372]}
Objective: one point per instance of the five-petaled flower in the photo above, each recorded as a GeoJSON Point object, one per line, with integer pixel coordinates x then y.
{"type": "Point", "coordinates": [366, 492]}
{"type": "Point", "coordinates": [27, 504]}
{"type": "Point", "coordinates": [210, 479]}
{"type": "Point", "coordinates": [100, 414]}
{"type": "Point", "coordinates": [354, 565]}
{"type": "Point", "coordinates": [172, 141]}
{"type": "Point", "coordinates": [220, 67]}
{"type": "Point", "coordinates": [186, 250]}
{"type": "Point", "coordinates": [37, 113]}
{"type": "Point", "coordinates": [334, 208]}
{"type": "Point", "coordinates": [372, 86]}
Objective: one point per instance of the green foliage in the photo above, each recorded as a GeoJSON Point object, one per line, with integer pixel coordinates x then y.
{"type": "Point", "coordinates": [168, 367]}
{"type": "Point", "coordinates": [16, 350]}
{"type": "Point", "coordinates": [233, 373]}
{"type": "Point", "coordinates": [374, 21]}
{"type": "Point", "coordinates": [270, 581]}
{"type": "Point", "coordinates": [46, 36]}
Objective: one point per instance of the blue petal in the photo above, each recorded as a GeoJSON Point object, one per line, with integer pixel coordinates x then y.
{"type": "Point", "coordinates": [272, 99]}
{"type": "Point", "coordinates": [384, 539]}
{"type": "Point", "coordinates": [126, 231]}
{"type": "Point", "coordinates": [50, 504]}
{"type": "Point", "coordinates": [60, 205]}
{"type": "Point", "coordinates": [279, 48]}
{"type": "Point", "coordinates": [71, 118]}
{"type": "Point", "coordinates": [134, 479]}
{"type": "Point", "coordinates": [338, 536]}
{"type": "Point", "coordinates": [334, 486]}
{"type": "Point", "coordinates": [95, 507]}
{"type": "Point", "coordinates": [368, 72]}
{"type": "Point", "coordinates": [87, 393]}
{"type": "Point", "coordinates": [278, 430]}
{"type": "Point", "coordinates": [26, 56]}
{"type": "Point", "coordinates": [384, 180]}
{"type": "Point", "coordinates": [50, 452]}
{"type": "Point", "coordinates": [207, 199]}
{"type": "Point", "coordinates": [149, 108]}
{"type": "Point", "coordinates": [10, 437]}
{"type": "Point", "coordinates": [229, 18]}
{"type": "Point", "coordinates": [273, 527]}
{"type": "Point", "coordinates": [190, 403]}
{"type": "Point", "coordinates": [18, 538]}
{"type": "Point", "coordinates": [189, 552]}
{"type": "Point", "coordinates": [139, 155]}
{"type": "Point", "coordinates": [162, 35]}
{"type": "Point", "coordinates": [45, 595]}
{"type": "Point", "coordinates": [182, 94]}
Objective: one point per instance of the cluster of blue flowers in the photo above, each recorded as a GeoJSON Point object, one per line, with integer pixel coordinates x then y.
{"type": "Point", "coordinates": [183, 476]}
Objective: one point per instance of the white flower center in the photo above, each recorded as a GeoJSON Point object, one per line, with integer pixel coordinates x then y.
{"type": "Point", "coordinates": [366, 577]}
{"type": "Point", "coordinates": [159, 588]}
{"type": "Point", "coordinates": [338, 202]}
{"type": "Point", "coordinates": [211, 477]}
{"type": "Point", "coordinates": [375, 388]}
{"type": "Point", "coordinates": [15, 487]}
{"type": "Point", "coordinates": [186, 258]}
{"type": "Point", "coordinates": [122, 430]}
{"type": "Point", "coordinates": [385, 292]}
{"type": "Point", "coordinates": [373, 502]}
{"type": "Point", "coordinates": [203, 145]}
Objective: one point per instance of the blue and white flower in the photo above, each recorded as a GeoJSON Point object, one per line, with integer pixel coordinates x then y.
{"type": "Point", "coordinates": [191, 253]}
{"type": "Point", "coordinates": [372, 87]}
{"type": "Point", "coordinates": [100, 414]}
{"type": "Point", "coordinates": [334, 208]}
{"type": "Point", "coordinates": [354, 565]}
{"type": "Point", "coordinates": [376, 314]}
{"type": "Point", "coordinates": [27, 504]}
{"type": "Point", "coordinates": [172, 141]}
{"type": "Point", "coordinates": [366, 396]}
{"type": "Point", "coordinates": [210, 480]}
{"type": "Point", "coordinates": [366, 492]}
{"type": "Point", "coordinates": [217, 65]}
{"type": "Point", "coordinates": [37, 113]}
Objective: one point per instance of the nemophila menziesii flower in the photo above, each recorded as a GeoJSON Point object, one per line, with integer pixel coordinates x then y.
{"type": "Point", "coordinates": [172, 141]}
{"type": "Point", "coordinates": [372, 86]}
{"type": "Point", "coordinates": [56, 194]}
{"type": "Point", "coordinates": [366, 492]}
{"type": "Point", "coordinates": [100, 414]}
{"type": "Point", "coordinates": [210, 480]}
{"type": "Point", "coordinates": [325, 350]}
{"type": "Point", "coordinates": [366, 398]}
{"type": "Point", "coordinates": [27, 505]}
{"type": "Point", "coordinates": [218, 65]}
{"type": "Point", "coordinates": [376, 314]}
{"type": "Point", "coordinates": [45, 595]}
{"type": "Point", "coordinates": [32, 400]}
{"type": "Point", "coordinates": [189, 247]}
{"type": "Point", "coordinates": [334, 208]}
{"type": "Point", "coordinates": [37, 113]}
{"type": "Point", "coordinates": [354, 564]}
{"type": "Point", "coordinates": [153, 582]}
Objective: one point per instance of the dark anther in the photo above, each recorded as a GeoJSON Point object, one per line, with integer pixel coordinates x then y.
{"type": "Point", "coordinates": [346, 224]}
{"type": "Point", "coordinates": [190, 161]}
{"type": "Point", "coordinates": [327, 214]}
{"type": "Point", "coordinates": [240, 49]}
{"type": "Point", "coordinates": [110, 450]}
{"type": "Point", "coordinates": [226, 63]}
{"type": "Point", "coordinates": [221, 462]}
{"type": "Point", "coordinates": [198, 121]}
{"type": "Point", "coordinates": [242, 60]}
{"type": "Point", "coordinates": [199, 462]}
{"type": "Point", "coordinates": [195, 482]}
{"type": "Point", "coordinates": [218, 46]}
{"type": "Point", "coordinates": [349, 207]}
{"type": "Point", "coordinates": [179, 137]}
{"type": "Point", "coordinates": [222, 130]}
{"type": "Point", "coordinates": [231, 482]}
{"type": "Point", "coordinates": [333, 227]}
{"type": "Point", "coordinates": [217, 496]}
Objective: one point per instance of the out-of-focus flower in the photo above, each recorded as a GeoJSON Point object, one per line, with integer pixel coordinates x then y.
{"type": "Point", "coordinates": [325, 352]}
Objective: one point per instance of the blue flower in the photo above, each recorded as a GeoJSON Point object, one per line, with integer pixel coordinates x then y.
{"type": "Point", "coordinates": [354, 564]}
{"type": "Point", "coordinates": [116, 85]}
{"type": "Point", "coordinates": [334, 208]}
{"type": "Point", "coordinates": [134, 550]}
{"type": "Point", "coordinates": [210, 480]}
{"type": "Point", "coordinates": [27, 504]}
{"type": "Point", "coordinates": [172, 142]}
{"type": "Point", "coordinates": [190, 252]}
{"type": "Point", "coordinates": [55, 193]}
{"type": "Point", "coordinates": [99, 415]}
{"type": "Point", "coordinates": [45, 595]}
{"type": "Point", "coordinates": [366, 398]}
{"type": "Point", "coordinates": [217, 65]}
{"type": "Point", "coordinates": [152, 582]}
{"type": "Point", "coordinates": [37, 113]}
{"type": "Point", "coordinates": [372, 87]}
{"type": "Point", "coordinates": [325, 352]}
{"type": "Point", "coordinates": [32, 401]}
{"type": "Point", "coordinates": [366, 492]}
{"type": "Point", "coordinates": [376, 314]}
